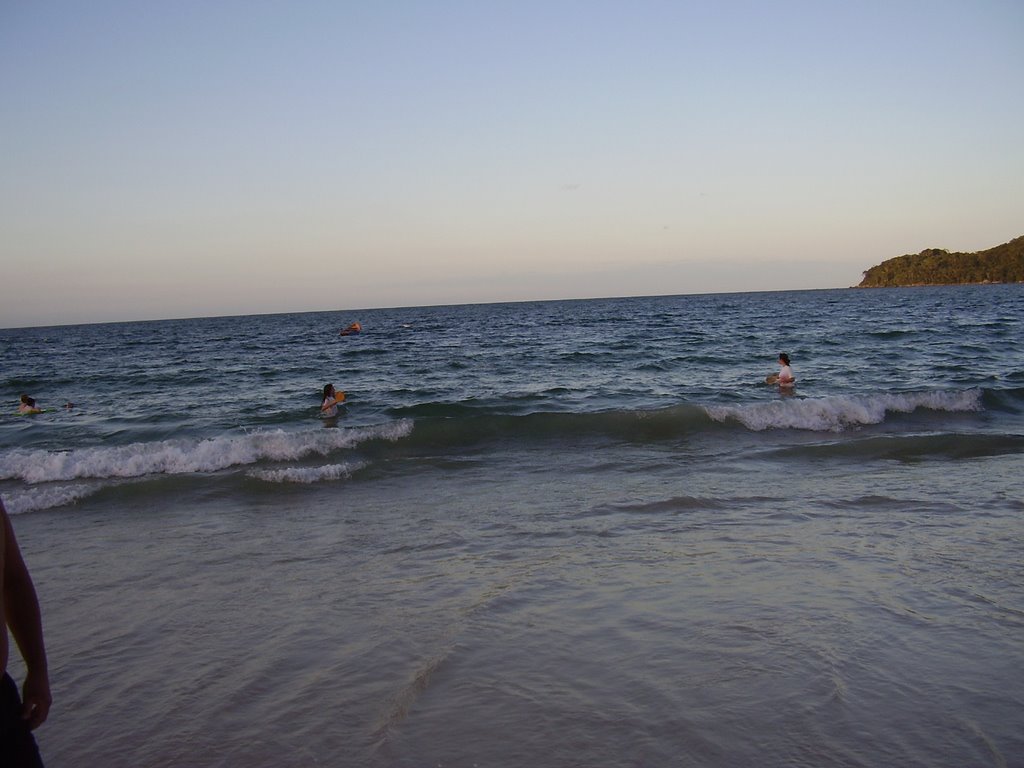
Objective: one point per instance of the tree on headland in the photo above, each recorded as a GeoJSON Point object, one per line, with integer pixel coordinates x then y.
{"type": "Point", "coordinates": [934, 266]}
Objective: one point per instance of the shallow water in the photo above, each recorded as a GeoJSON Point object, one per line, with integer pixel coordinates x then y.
{"type": "Point", "coordinates": [561, 534]}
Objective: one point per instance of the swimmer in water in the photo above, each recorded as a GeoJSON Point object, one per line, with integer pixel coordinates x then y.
{"type": "Point", "coordinates": [28, 405]}
{"type": "Point", "coordinates": [784, 378]}
{"type": "Point", "coordinates": [331, 400]}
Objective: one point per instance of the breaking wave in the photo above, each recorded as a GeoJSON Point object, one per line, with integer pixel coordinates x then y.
{"type": "Point", "coordinates": [307, 475]}
{"type": "Point", "coordinates": [833, 414]}
{"type": "Point", "coordinates": [176, 457]}
{"type": "Point", "coordinates": [43, 479]}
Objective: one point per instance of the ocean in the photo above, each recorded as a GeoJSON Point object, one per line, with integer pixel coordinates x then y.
{"type": "Point", "coordinates": [565, 533]}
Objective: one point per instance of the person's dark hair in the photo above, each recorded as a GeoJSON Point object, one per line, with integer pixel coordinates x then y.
{"type": "Point", "coordinates": [784, 357]}
{"type": "Point", "coordinates": [327, 390]}
{"type": "Point", "coordinates": [28, 401]}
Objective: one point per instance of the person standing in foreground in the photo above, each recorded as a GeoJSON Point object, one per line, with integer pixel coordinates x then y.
{"type": "Point", "coordinates": [19, 608]}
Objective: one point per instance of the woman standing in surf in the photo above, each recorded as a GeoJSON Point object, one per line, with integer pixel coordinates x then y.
{"type": "Point", "coordinates": [784, 378]}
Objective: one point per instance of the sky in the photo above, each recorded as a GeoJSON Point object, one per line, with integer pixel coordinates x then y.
{"type": "Point", "coordinates": [195, 158]}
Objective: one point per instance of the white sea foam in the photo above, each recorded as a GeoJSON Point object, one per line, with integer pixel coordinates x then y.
{"type": "Point", "coordinates": [307, 474]}
{"type": "Point", "coordinates": [173, 457]}
{"type": "Point", "coordinates": [833, 414]}
{"type": "Point", "coordinates": [37, 498]}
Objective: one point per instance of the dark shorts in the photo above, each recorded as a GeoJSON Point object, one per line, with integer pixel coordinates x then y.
{"type": "Point", "coordinates": [17, 745]}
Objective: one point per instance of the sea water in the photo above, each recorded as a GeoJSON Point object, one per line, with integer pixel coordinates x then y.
{"type": "Point", "coordinates": [566, 533]}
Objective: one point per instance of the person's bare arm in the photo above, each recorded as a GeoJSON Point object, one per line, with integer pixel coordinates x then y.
{"type": "Point", "coordinates": [21, 612]}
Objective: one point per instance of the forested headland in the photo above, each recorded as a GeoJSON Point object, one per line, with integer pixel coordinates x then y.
{"type": "Point", "coordinates": [934, 266]}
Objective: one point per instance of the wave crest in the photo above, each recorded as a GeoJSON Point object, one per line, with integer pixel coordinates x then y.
{"type": "Point", "coordinates": [833, 414]}
{"type": "Point", "coordinates": [307, 475]}
{"type": "Point", "coordinates": [175, 457]}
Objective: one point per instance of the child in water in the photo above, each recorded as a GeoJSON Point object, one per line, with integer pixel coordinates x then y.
{"type": "Point", "coordinates": [28, 405]}
{"type": "Point", "coordinates": [332, 399]}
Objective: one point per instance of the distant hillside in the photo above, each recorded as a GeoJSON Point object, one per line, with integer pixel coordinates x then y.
{"type": "Point", "coordinates": [934, 266]}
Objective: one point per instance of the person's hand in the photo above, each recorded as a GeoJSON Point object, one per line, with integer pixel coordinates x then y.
{"type": "Point", "coordinates": [36, 700]}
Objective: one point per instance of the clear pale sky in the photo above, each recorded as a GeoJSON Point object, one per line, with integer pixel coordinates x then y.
{"type": "Point", "coordinates": [178, 159]}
